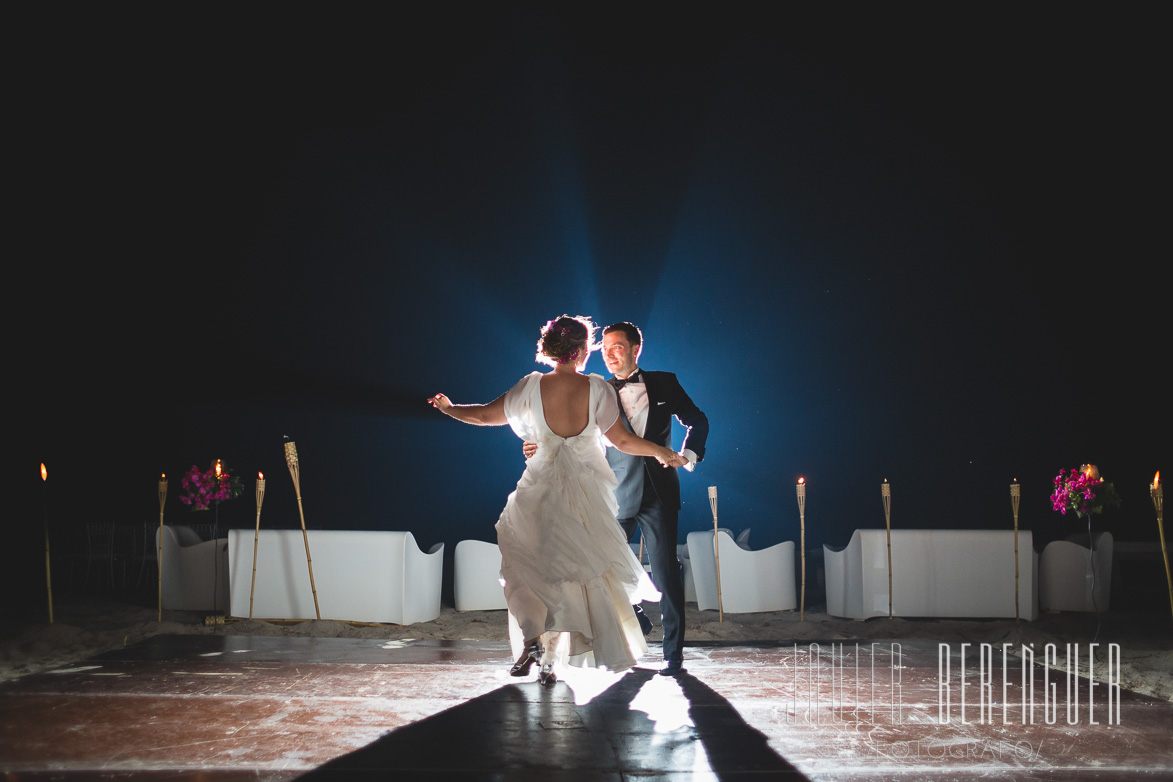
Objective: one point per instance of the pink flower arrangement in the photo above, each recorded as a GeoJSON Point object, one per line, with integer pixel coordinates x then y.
{"type": "Point", "coordinates": [1083, 491]}
{"type": "Point", "coordinates": [202, 488]}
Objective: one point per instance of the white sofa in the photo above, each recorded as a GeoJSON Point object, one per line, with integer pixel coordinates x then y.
{"type": "Point", "coordinates": [945, 573]}
{"type": "Point", "coordinates": [476, 576]}
{"type": "Point", "coordinates": [361, 576]}
{"type": "Point", "coordinates": [194, 571]}
{"type": "Point", "coordinates": [751, 581]}
{"type": "Point", "coordinates": [1073, 577]}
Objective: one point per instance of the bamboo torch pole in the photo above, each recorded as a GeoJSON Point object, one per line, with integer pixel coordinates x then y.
{"type": "Point", "coordinates": [1015, 497]}
{"type": "Point", "coordinates": [294, 470]}
{"type": "Point", "coordinates": [159, 551]}
{"type": "Point", "coordinates": [256, 539]}
{"type": "Point", "coordinates": [886, 495]}
{"type": "Point", "coordinates": [45, 498]}
{"type": "Point", "coordinates": [716, 552]}
{"type": "Point", "coordinates": [1157, 491]}
{"type": "Point", "coordinates": [801, 490]}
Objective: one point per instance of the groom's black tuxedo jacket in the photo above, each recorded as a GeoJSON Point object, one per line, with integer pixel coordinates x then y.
{"type": "Point", "coordinates": [666, 399]}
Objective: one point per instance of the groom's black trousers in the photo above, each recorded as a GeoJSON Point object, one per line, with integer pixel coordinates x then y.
{"type": "Point", "coordinates": [658, 526]}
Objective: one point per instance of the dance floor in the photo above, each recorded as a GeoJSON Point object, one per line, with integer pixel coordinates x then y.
{"type": "Point", "coordinates": [277, 708]}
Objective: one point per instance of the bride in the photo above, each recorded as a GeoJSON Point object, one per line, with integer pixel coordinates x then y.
{"type": "Point", "coordinates": [570, 577]}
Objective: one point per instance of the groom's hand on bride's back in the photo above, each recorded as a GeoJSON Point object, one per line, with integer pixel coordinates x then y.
{"type": "Point", "coordinates": [529, 449]}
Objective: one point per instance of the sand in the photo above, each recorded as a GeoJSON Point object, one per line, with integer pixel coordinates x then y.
{"type": "Point", "coordinates": [90, 626]}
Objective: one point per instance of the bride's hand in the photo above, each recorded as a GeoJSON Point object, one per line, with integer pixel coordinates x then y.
{"type": "Point", "coordinates": [666, 457]}
{"type": "Point", "coordinates": [440, 402]}
{"type": "Point", "coordinates": [672, 459]}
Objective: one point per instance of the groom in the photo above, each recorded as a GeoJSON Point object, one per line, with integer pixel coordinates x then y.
{"type": "Point", "coordinates": [649, 495]}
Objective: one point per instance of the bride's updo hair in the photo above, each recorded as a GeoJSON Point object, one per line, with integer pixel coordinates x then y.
{"type": "Point", "coordinates": [566, 339]}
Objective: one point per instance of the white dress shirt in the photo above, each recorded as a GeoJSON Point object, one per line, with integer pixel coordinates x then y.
{"type": "Point", "coordinates": [634, 399]}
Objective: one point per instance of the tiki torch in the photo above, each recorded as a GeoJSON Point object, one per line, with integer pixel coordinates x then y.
{"type": "Point", "coordinates": [1157, 491]}
{"type": "Point", "coordinates": [801, 489]}
{"type": "Point", "coordinates": [886, 495]}
{"type": "Point", "coordinates": [716, 552]}
{"type": "Point", "coordinates": [218, 466]}
{"type": "Point", "coordinates": [159, 553]}
{"type": "Point", "coordinates": [256, 539]}
{"type": "Point", "coordinates": [45, 498]}
{"type": "Point", "coordinates": [291, 460]}
{"type": "Point", "coordinates": [1015, 496]}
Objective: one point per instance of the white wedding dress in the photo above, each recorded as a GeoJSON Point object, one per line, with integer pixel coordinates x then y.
{"type": "Point", "coordinates": [565, 561]}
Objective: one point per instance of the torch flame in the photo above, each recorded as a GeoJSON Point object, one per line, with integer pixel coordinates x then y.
{"type": "Point", "coordinates": [44, 472]}
{"type": "Point", "coordinates": [801, 479]}
{"type": "Point", "coordinates": [1156, 478]}
{"type": "Point", "coordinates": [260, 475]}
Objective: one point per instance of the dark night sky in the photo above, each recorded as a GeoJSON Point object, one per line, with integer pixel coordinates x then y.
{"type": "Point", "coordinates": [871, 244]}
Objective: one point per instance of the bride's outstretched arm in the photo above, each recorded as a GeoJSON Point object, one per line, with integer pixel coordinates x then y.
{"type": "Point", "coordinates": [492, 414]}
{"type": "Point", "coordinates": [638, 446]}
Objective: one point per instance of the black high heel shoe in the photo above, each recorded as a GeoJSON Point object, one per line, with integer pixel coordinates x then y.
{"type": "Point", "coordinates": [546, 675]}
{"type": "Point", "coordinates": [531, 655]}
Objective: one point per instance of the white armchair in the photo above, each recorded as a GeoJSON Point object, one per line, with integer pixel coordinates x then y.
{"type": "Point", "coordinates": [686, 564]}
{"type": "Point", "coordinates": [194, 571]}
{"type": "Point", "coordinates": [686, 573]}
{"type": "Point", "coordinates": [1073, 577]}
{"type": "Point", "coordinates": [476, 578]}
{"type": "Point", "coordinates": [751, 581]}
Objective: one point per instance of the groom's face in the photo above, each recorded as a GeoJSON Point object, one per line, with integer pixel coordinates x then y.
{"type": "Point", "coordinates": [618, 354]}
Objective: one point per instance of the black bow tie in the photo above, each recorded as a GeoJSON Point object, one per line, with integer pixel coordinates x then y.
{"type": "Point", "coordinates": [634, 377]}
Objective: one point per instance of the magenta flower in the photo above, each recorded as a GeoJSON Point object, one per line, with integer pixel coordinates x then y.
{"type": "Point", "coordinates": [1084, 492]}
{"type": "Point", "coordinates": [201, 488]}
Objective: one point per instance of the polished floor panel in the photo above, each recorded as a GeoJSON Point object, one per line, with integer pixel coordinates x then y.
{"type": "Point", "coordinates": [277, 708]}
{"type": "Point", "coordinates": [893, 709]}
{"type": "Point", "coordinates": [243, 648]}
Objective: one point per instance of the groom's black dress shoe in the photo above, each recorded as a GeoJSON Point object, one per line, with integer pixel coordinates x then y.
{"type": "Point", "coordinates": [645, 624]}
{"type": "Point", "coordinates": [672, 668]}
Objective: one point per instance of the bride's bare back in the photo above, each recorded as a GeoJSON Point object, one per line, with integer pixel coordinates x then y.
{"type": "Point", "coordinates": [566, 398]}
